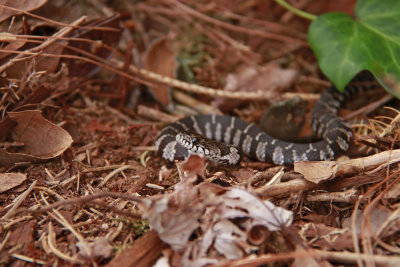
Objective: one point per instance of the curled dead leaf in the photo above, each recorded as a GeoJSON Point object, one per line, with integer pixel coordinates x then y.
{"type": "Point", "coordinates": [197, 219]}
{"type": "Point", "coordinates": [41, 138]}
{"type": "Point", "coordinates": [258, 234]}
{"type": "Point", "coordinates": [160, 58]}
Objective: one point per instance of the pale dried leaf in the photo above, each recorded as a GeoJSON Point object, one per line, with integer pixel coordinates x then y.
{"type": "Point", "coordinates": [240, 203]}
{"type": "Point", "coordinates": [209, 211]}
{"type": "Point", "coordinates": [316, 171]}
{"type": "Point", "coordinates": [394, 191]}
{"type": "Point", "coordinates": [377, 217]}
{"type": "Point", "coordinates": [311, 261]}
{"type": "Point", "coordinates": [11, 180]}
{"type": "Point", "coordinates": [162, 262]}
{"type": "Point", "coordinates": [268, 78]}
{"type": "Point", "coordinates": [228, 239]}
{"type": "Point", "coordinates": [175, 216]}
{"type": "Point", "coordinates": [100, 247]}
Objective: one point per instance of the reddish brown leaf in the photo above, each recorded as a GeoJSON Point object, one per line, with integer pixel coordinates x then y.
{"type": "Point", "coordinates": [42, 139]}
{"type": "Point", "coordinates": [160, 58]}
{"type": "Point", "coordinates": [143, 252]}
{"type": "Point", "coordinates": [49, 64]}
{"type": "Point", "coordinates": [22, 5]}
{"type": "Point", "coordinates": [98, 48]}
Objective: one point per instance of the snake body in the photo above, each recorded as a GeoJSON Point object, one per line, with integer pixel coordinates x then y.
{"type": "Point", "coordinates": [222, 138]}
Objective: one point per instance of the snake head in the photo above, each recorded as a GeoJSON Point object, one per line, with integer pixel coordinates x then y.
{"type": "Point", "coordinates": [212, 150]}
{"type": "Point", "coordinates": [194, 143]}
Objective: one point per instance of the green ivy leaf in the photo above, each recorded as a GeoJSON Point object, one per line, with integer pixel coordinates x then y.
{"type": "Point", "coordinates": [345, 46]}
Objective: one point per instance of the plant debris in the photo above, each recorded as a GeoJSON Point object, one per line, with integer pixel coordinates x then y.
{"type": "Point", "coordinates": [85, 88]}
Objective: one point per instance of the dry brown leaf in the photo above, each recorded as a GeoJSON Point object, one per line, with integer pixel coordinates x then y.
{"type": "Point", "coordinates": [175, 216]}
{"type": "Point", "coordinates": [376, 219]}
{"type": "Point", "coordinates": [22, 5]}
{"type": "Point", "coordinates": [13, 45]}
{"type": "Point", "coordinates": [316, 171]}
{"type": "Point", "coordinates": [11, 180]}
{"type": "Point", "coordinates": [310, 261]}
{"type": "Point", "coordinates": [326, 237]}
{"type": "Point", "coordinates": [194, 164]}
{"type": "Point", "coordinates": [100, 247]}
{"type": "Point", "coordinates": [249, 78]}
{"type": "Point", "coordinates": [267, 77]}
{"type": "Point", "coordinates": [102, 39]}
{"type": "Point", "coordinates": [160, 58]}
{"type": "Point", "coordinates": [212, 213]}
{"type": "Point", "coordinates": [39, 62]}
{"type": "Point", "coordinates": [143, 252]}
{"type": "Point", "coordinates": [394, 191]}
{"type": "Point", "coordinates": [22, 238]}
{"type": "Point", "coordinates": [41, 138]}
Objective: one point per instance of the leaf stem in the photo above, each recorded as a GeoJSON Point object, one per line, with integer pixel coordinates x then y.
{"type": "Point", "coordinates": [296, 11]}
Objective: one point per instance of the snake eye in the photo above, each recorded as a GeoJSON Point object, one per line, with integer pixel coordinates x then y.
{"type": "Point", "coordinates": [195, 140]}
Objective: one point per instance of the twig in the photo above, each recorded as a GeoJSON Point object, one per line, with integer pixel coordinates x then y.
{"type": "Point", "coordinates": [21, 198]}
{"type": "Point", "coordinates": [155, 114]}
{"type": "Point", "coordinates": [76, 201]}
{"type": "Point", "coordinates": [370, 107]}
{"type": "Point", "coordinates": [201, 107]}
{"type": "Point", "coordinates": [51, 40]}
{"type": "Point", "coordinates": [235, 28]}
{"type": "Point", "coordinates": [296, 11]}
{"type": "Point", "coordinates": [114, 172]}
{"type": "Point", "coordinates": [342, 257]}
{"type": "Point", "coordinates": [329, 169]}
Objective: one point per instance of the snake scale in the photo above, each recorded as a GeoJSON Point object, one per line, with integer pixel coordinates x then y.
{"type": "Point", "coordinates": [222, 138]}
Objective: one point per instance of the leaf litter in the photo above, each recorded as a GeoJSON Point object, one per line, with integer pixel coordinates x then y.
{"type": "Point", "coordinates": [80, 182]}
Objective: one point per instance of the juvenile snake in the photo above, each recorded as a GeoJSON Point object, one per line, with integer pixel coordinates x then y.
{"type": "Point", "coordinates": [222, 138]}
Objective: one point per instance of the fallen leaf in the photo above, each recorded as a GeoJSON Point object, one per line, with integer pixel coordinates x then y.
{"type": "Point", "coordinates": [326, 237]}
{"type": "Point", "coordinates": [316, 171]}
{"type": "Point", "coordinates": [102, 39]}
{"type": "Point", "coordinates": [198, 219]}
{"type": "Point", "coordinates": [268, 77]}
{"type": "Point", "coordinates": [143, 252]}
{"type": "Point", "coordinates": [284, 119]}
{"type": "Point", "coordinates": [21, 5]}
{"type": "Point", "coordinates": [377, 218]}
{"type": "Point", "coordinates": [248, 78]}
{"type": "Point", "coordinates": [171, 216]}
{"type": "Point", "coordinates": [37, 63]}
{"type": "Point", "coordinates": [310, 261]}
{"type": "Point", "coordinates": [22, 239]}
{"type": "Point", "coordinates": [11, 180]}
{"type": "Point", "coordinates": [100, 247]}
{"type": "Point", "coordinates": [394, 191]}
{"type": "Point", "coordinates": [41, 138]}
{"type": "Point", "coordinates": [194, 164]}
{"type": "Point", "coordinates": [160, 58]}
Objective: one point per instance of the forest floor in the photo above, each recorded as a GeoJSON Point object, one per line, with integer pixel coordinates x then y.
{"type": "Point", "coordinates": [86, 87]}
